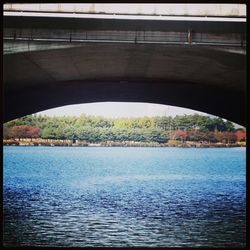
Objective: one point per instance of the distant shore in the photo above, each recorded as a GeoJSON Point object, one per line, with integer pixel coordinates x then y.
{"type": "Point", "coordinates": [71, 143]}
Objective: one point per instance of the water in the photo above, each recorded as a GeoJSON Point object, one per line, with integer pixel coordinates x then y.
{"type": "Point", "coordinates": [124, 197]}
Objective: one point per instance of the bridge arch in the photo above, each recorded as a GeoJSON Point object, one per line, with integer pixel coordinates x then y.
{"type": "Point", "coordinates": [55, 61]}
{"type": "Point", "coordinates": [202, 79]}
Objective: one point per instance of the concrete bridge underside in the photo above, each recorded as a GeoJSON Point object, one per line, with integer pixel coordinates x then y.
{"type": "Point", "coordinates": [56, 59]}
{"type": "Point", "coordinates": [197, 77]}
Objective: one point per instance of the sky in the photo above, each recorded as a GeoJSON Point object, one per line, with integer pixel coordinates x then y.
{"type": "Point", "coordinates": [118, 109]}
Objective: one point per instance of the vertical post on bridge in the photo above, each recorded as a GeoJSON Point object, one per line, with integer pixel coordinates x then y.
{"type": "Point", "coordinates": [189, 36]}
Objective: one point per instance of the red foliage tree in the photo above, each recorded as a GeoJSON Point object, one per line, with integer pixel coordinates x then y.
{"type": "Point", "coordinates": [226, 137]}
{"type": "Point", "coordinates": [241, 135]}
{"type": "Point", "coordinates": [24, 131]}
{"type": "Point", "coordinates": [6, 133]}
{"type": "Point", "coordinates": [33, 132]}
{"type": "Point", "coordinates": [180, 135]}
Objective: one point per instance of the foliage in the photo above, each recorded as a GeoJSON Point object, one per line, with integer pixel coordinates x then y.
{"type": "Point", "coordinates": [240, 134]}
{"type": "Point", "coordinates": [22, 131]}
{"type": "Point", "coordinates": [146, 129]}
{"type": "Point", "coordinates": [180, 135]}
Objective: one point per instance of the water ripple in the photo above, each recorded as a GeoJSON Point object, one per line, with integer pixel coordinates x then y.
{"type": "Point", "coordinates": [154, 197]}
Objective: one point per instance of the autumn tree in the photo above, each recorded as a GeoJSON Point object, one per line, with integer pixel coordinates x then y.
{"type": "Point", "coordinates": [226, 136]}
{"type": "Point", "coordinates": [33, 132]}
{"type": "Point", "coordinates": [240, 135]}
{"type": "Point", "coordinates": [24, 131]}
{"type": "Point", "coordinates": [144, 129]}
{"type": "Point", "coordinates": [180, 135]}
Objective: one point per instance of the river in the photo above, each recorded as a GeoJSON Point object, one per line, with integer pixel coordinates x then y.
{"type": "Point", "coordinates": [124, 197]}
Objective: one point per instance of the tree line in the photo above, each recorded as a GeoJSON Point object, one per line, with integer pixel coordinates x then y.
{"type": "Point", "coordinates": [146, 129]}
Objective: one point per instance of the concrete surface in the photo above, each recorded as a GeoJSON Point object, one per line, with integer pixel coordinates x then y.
{"type": "Point", "coordinates": [202, 79]}
{"type": "Point", "coordinates": [137, 9]}
{"type": "Point", "coordinates": [45, 75]}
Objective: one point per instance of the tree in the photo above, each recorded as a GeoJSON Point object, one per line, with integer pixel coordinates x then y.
{"type": "Point", "coordinates": [106, 134]}
{"type": "Point", "coordinates": [60, 132]}
{"type": "Point", "coordinates": [229, 126]}
{"type": "Point", "coordinates": [220, 124]}
{"type": "Point", "coordinates": [70, 133]}
{"type": "Point", "coordinates": [48, 133]}
{"type": "Point", "coordinates": [83, 133]}
{"type": "Point", "coordinates": [33, 132]}
{"type": "Point", "coordinates": [226, 136]}
{"type": "Point", "coordinates": [196, 135]}
{"type": "Point", "coordinates": [230, 137]}
{"type": "Point", "coordinates": [164, 123]}
{"type": "Point", "coordinates": [7, 133]}
{"type": "Point", "coordinates": [240, 135]}
{"type": "Point", "coordinates": [180, 135]}
{"type": "Point", "coordinates": [24, 131]}
{"type": "Point", "coordinates": [90, 128]}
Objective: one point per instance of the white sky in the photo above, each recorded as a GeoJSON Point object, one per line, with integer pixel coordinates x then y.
{"type": "Point", "coordinates": [118, 109]}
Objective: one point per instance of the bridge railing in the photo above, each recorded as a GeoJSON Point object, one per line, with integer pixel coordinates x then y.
{"type": "Point", "coordinates": [236, 10]}
{"type": "Point", "coordinates": [35, 23]}
{"type": "Point", "coordinates": [61, 35]}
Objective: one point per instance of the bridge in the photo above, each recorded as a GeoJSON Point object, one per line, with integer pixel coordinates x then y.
{"type": "Point", "coordinates": [61, 54]}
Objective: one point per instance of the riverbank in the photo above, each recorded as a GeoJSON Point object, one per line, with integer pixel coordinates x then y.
{"type": "Point", "coordinates": [71, 143]}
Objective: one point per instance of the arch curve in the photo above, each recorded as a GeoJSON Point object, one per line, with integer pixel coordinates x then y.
{"type": "Point", "coordinates": [196, 77]}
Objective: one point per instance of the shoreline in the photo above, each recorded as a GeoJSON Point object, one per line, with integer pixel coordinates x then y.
{"type": "Point", "coordinates": [70, 143]}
